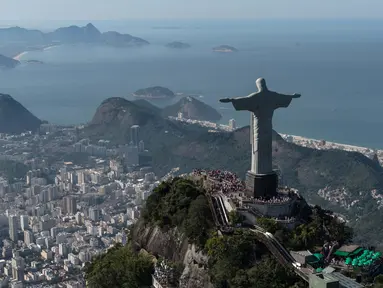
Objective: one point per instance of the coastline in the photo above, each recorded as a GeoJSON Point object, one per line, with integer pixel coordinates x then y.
{"type": "Point", "coordinates": [345, 146]}
{"type": "Point", "coordinates": [298, 140]}
{"type": "Point", "coordinates": [20, 55]}
{"type": "Point", "coordinates": [328, 145]}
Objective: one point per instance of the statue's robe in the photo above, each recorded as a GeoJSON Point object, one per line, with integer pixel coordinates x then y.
{"type": "Point", "coordinates": [262, 105]}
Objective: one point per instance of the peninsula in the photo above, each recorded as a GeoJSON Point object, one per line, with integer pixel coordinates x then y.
{"type": "Point", "coordinates": [6, 62]}
{"type": "Point", "coordinates": [15, 41]}
{"type": "Point", "coordinates": [156, 92]}
{"type": "Point", "coordinates": [225, 49]}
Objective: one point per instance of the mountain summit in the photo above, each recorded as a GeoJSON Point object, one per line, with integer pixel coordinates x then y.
{"type": "Point", "coordinates": [15, 118]}
{"type": "Point", "coordinates": [192, 108]}
{"type": "Point", "coordinates": [68, 35]}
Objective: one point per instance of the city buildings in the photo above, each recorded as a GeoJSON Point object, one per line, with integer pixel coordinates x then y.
{"type": "Point", "coordinates": [69, 205]}
{"type": "Point", "coordinates": [62, 215]}
{"type": "Point", "coordinates": [13, 224]}
{"type": "Point", "coordinates": [232, 124]}
{"type": "Point", "coordinates": [135, 134]}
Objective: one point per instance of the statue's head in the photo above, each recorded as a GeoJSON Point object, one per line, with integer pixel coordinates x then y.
{"type": "Point", "coordinates": [261, 84]}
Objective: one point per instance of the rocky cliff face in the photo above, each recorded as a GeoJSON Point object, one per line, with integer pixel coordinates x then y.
{"type": "Point", "coordinates": [173, 246]}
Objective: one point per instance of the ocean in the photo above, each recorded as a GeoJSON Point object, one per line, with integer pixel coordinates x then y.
{"type": "Point", "coordinates": [337, 66]}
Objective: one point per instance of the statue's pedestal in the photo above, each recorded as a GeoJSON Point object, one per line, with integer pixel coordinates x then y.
{"type": "Point", "coordinates": [261, 185]}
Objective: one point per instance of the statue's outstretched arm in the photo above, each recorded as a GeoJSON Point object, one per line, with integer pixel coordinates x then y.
{"type": "Point", "coordinates": [295, 95]}
{"type": "Point", "coordinates": [283, 100]}
{"type": "Point", "coordinates": [226, 100]}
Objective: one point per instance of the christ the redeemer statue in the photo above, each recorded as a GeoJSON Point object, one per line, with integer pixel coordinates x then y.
{"type": "Point", "coordinates": [261, 104]}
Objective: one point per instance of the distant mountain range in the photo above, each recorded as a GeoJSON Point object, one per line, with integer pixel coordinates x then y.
{"type": "Point", "coordinates": [15, 118]}
{"type": "Point", "coordinates": [33, 39]}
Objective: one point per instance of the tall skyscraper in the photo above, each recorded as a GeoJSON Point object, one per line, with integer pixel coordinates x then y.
{"type": "Point", "coordinates": [18, 268]}
{"type": "Point", "coordinates": [135, 134]}
{"type": "Point", "coordinates": [232, 124]}
{"type": "Point", "coordinates": [64, 249]}
{"type": "Point", "coordinates": [80, 177]}
{"type": "Point", "coordinates": [73, 177]}
{"type": "Point", "coordinates": [63, 174]}
{"type": "Point", "coordinates": [28, 237]}
{"type": "Point", "coordinates": [24, 222]}
{"type": "Point", "coordinates": [94, 213]}
{"type": "Point", "coordinates": [52, 192]}
{"type": "Point", "coordinates": [70, 205]}
{"type": "Point", "coordinates": [13, 228]}
{"type": "Point", "coordinates": [141, 146]}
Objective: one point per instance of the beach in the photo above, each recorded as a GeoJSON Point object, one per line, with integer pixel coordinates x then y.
{"type": "Point", "coordinates": [20, 55]}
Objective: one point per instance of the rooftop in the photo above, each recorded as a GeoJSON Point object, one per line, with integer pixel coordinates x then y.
{"type": "Point", "coordinates": [303, 253]}
{"type": "Point", "coordinates": [345, 281]}
{"type": "Point", "coordinates": [348, 248]}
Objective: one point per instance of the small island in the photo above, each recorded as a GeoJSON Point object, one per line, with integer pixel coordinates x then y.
{"type": "Point", "coordinates": [225, 49]}
{"type": "Point", "coordinates": [156, 92]}
{"type": "Point", "coordinates": [34, 62]}
{"type": "Point", "coordinates": [178, 45]}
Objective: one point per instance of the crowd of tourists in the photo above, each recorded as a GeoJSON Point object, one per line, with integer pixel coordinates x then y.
{"type": "Point", "coordinates": [285, 218]}
{"type": "Point", "coordinates": [272, 200]}
{"type": "Point", "coordinates": [224, 181]}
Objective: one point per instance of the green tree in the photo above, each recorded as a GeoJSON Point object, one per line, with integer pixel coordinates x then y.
{"type": "Point", "coordinates": [12, 169]}
{"type": "Point", "coordinates": [378, 281]}
{"type": "Point", "coordinates": [198, 222]}
{"type": "Point", "coordinates": [266, 274]}
{"type": "Point", "coordinates": [180, 203]}
{"type": "Point", "coordinates": [230, 254]}
{"type": "Point", "coordinates": [120, 267]}
{"type": "Point", "coordinates": [268, 224]}
{"type": "Point", "coordinates": [234, 218]}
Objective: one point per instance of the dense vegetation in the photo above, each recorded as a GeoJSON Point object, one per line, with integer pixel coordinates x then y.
{"type": "Point", "coordinates": [236, 260]}
{"type": "Point", "coordinates": [378, 282]}
{"type": "Point", "coordinates": [121, 267]}
{"type": "Point", "coordinates": [180, 203]}
{"type": "Point", "coordinates": [320, 227]}
{"type": "Point", "coordinates": [240, 261]}
{"type": "Point", "coordinates": [192, 108]}
{"type": "Point", "coordinates": [12, 170]}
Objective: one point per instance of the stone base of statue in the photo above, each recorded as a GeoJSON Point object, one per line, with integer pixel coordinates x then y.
{"type": "Point", "coordinates": [261, 185]}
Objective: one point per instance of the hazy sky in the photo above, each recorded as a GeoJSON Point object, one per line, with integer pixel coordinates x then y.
{"type": "Point", "coordinates": [43, 10]}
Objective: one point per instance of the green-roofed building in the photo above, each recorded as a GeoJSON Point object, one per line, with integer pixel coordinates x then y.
{"type": "Point", "coordinates": [348, 251]}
